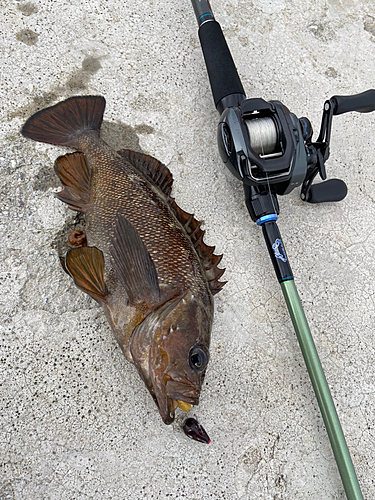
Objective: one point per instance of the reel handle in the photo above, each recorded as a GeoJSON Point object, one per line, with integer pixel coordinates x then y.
{"type": "Point", "coordinates": [363, 103]}
{"type": "Point", "coordinates": [226, 86]}
{"type": "Point", "coordinates": [331, 190]}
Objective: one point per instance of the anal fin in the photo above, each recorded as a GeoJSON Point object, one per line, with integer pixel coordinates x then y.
{"type": "Point", "coordinates": [132, 263]}
{"type": "Point", "coordinates": [75, 175]}
{"type": "Point", "coordinates": [86, 266]}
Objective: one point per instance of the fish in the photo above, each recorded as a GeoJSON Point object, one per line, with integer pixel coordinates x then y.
{"type": "Point", "coordinates": [140, 256]}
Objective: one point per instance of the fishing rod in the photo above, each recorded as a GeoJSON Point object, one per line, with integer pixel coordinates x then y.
{"type": "Point", "coordinates": [272, 152]}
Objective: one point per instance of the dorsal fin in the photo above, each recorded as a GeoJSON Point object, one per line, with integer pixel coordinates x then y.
{"type": "Point", "coordinates": [156, 172]}
{"type": "Point", "coordinates": [75, 175]}
{"type": "Point", "coordinates": [205, 252]}
{"type": "Point", "coordinates": [86, 266]}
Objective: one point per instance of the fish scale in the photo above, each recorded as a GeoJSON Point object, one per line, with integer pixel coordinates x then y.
{"type": "Point", "coordinates": [141, 258]}
{"type": "Point", "coordinates": [116, 188]}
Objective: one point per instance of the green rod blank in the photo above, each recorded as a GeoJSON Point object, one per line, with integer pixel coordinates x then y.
{"type": "Point", "coordinates": [322, 392]}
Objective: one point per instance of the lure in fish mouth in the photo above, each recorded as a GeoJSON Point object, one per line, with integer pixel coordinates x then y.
{"type": "Point", "coordinates": [141, 257]}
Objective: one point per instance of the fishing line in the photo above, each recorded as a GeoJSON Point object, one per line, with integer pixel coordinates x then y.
{"type": "Point", "coordinates": [275, 211]}
{"type": "Point", "coordinates": [263, 135]}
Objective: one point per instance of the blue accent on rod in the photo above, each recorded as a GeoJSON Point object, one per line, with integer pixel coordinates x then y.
{"type": "Point", "coordinates": [288, 278]}
{"type": "Point", "coordinates": [208, 14]}
{"type": "Point", "coordinates": [266, 218]}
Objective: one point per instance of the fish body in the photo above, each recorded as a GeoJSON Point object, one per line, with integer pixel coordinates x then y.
{"type": "Point", "coordinates": [143, 258]}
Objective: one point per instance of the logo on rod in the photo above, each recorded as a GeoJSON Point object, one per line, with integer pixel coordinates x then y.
{"type": "Point", "coordinates": [279, 251]}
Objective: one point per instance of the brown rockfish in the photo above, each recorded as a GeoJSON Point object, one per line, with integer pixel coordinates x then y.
{"type": "Point", "coordinates": [141, 257]}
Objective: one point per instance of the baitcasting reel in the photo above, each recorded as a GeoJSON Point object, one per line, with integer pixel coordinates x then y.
{"type": "Point", "coordinates": [264, 143]}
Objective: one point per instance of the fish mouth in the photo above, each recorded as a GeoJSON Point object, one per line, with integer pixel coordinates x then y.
{"type": "Point", "coordinates": [181, 392]}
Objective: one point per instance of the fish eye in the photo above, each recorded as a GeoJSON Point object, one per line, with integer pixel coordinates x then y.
{"type": "Point", "coordinates": [198, 358]}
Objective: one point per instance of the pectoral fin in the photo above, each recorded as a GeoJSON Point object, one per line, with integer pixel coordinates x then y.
{"type": "Point", "coordinates": [133, 263]}
{"type": "Point", "coordinates": [86, 266]}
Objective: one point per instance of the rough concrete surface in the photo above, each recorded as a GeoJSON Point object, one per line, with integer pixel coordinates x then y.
{"type": "Point", "coordinates": [75, 419]}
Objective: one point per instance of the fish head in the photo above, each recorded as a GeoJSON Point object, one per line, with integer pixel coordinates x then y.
{"type": "Point", "coordinates": [173, 365]}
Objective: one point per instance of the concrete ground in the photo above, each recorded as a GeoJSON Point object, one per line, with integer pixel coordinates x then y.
{"type": "Point", "coordinates": [75, 419]}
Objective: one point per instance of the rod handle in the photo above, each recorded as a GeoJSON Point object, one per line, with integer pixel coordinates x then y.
{"type": "Point", "coordinates": [363, 103]}
{"type": "Point", "coordinates": [222, 72]}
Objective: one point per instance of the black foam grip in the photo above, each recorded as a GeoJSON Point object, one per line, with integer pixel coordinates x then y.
{"type": "Point", "coordinates": [363, 103]}
{"type": "Point", "coordinates": [331, 190]}
{"type": "Point", "coordinates": [224, 79]}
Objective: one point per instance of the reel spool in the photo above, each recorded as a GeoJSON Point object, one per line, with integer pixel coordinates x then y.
{"type": "Point", "coordinates": [264, 136]}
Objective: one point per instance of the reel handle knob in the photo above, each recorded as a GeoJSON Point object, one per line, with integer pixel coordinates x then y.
{"type": "Point", "coordinates": [331, 190]}
{"type": "Point", "coordinates": [363, 103]}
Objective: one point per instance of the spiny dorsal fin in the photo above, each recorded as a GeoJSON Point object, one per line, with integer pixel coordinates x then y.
{"type": "Point", "coordinates": [75, 175]}
{"type": "Point", "coordinates": [205, 252]}
{"type": "Point", "coordinates": [158, 173]}
{"type": "Point", "coordinates": [66, 121]}
{"type": "Point", "coordinates": [132, 262]}
{"type": "Point", "coordinates": [86, 266]}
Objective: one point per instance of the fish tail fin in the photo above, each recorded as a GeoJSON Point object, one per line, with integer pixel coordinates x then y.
{"type": "Point", "coordinates": [63, 123]}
